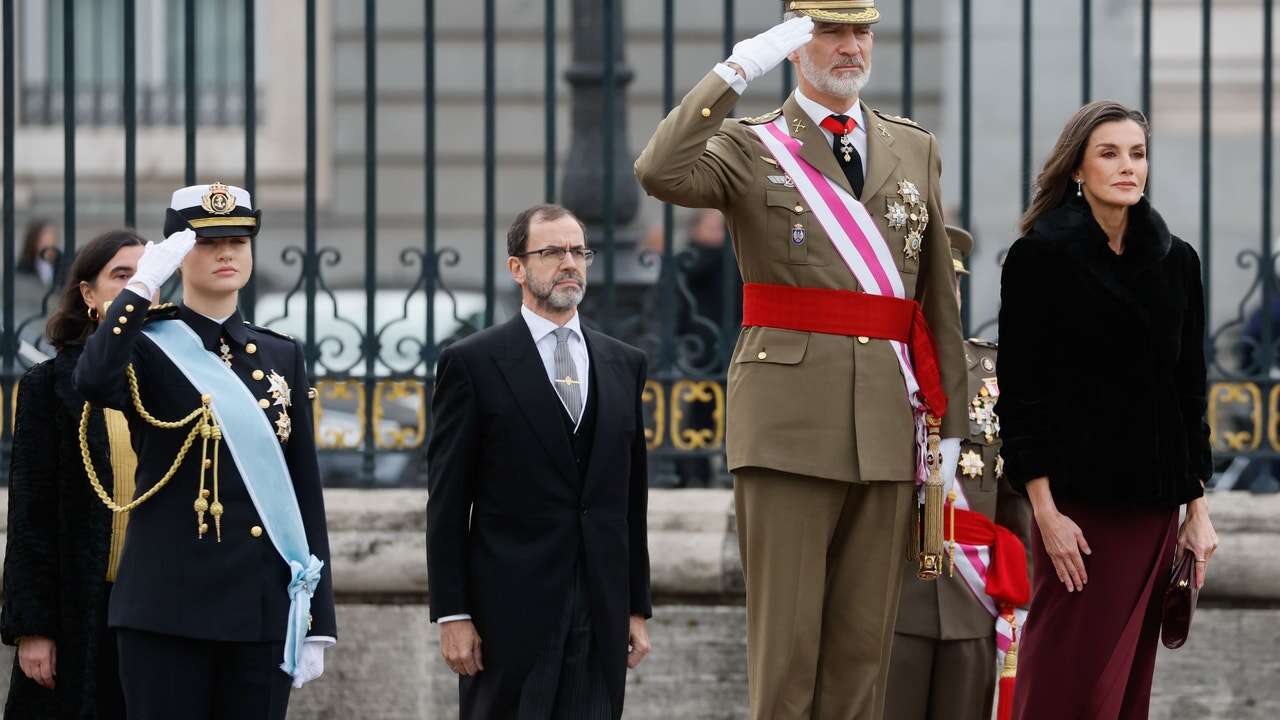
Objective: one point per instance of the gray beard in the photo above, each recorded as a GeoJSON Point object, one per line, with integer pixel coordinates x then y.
{"type": "Point", "coordinates": [557, 299]}
{"type": "Point", "coordinates": [824, 80]}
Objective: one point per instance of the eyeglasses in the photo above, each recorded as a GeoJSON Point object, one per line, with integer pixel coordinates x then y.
{"type": "Point", "coordinates": [555, 255]}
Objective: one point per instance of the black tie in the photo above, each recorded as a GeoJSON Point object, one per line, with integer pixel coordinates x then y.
{"type": "Point", "coordinates": [852, 168]}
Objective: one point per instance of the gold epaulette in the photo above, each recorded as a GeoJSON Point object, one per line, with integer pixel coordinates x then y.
{"type": "Point", "coordinates": [898, 119]}
{"type": "Point", "coordinates": [762, 119]}
{"type": "Point", "coordinates": [164, 311]}
{"type": "Point", "coordinates": [271, 331]}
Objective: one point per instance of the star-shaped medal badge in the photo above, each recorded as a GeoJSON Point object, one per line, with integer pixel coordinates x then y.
{"type": "Point", "coordinates": [971, 464]}
{"type": "Point", "coordinates": [896, 216]}
{"type": "Point", "coordinates": [279, 390]}
{"type": "Point", "coordinates": [284, 426]}
{"type": "Point", "coordinates": [908, 191]}
{"type": "Point", "coordinates": [915, 240]}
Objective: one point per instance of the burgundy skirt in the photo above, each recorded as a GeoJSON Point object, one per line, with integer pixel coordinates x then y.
{"type": "Point", "coordinates": [1091, 654]}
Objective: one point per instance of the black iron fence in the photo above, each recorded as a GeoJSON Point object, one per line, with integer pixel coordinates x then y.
{"type": "Point", "coordinates": [373, 368]}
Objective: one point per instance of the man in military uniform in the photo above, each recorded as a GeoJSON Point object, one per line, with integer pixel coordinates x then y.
{"type": "Point", "coordinates": [943, 665]}
{"type": "Point", "coordinates": [835, 214]}
{"type": "Point", "coordinates": [224, 597]}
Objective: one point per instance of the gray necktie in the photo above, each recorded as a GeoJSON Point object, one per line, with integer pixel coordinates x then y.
{"type": "Point", "coordinates": [566, 380]}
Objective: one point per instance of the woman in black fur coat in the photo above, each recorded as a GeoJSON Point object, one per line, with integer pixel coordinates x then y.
{"type": "Point", "coordinates": [1102, 413]}
{"type": "Point", "coordinates": [61, 538]}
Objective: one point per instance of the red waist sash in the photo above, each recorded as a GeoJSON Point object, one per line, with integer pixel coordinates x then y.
{"type": "Point", "coordinates": [1007, 581]}
{"type": "Point", "coordinates": [846, 312]}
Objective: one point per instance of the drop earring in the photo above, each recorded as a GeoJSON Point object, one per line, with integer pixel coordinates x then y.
{"type": "Point", "coordinates": [1079, 188]}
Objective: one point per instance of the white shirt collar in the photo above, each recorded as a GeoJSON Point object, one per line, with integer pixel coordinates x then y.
{"type": "Point", "coordinates": [213, 320]}
{"type": "Point", "coordinates": [817, 112]}
{"type": "Point", "coordinates": [541, 327]}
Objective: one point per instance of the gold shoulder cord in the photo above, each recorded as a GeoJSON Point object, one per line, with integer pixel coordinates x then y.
{"type": "Point", "coordinates": [204, 426]}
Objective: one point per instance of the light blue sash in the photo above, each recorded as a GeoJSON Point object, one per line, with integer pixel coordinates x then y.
{"type": "Point", "coordinates": [253, 446]}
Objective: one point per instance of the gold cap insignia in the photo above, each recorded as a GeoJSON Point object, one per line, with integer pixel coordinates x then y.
{"type": "Point", "coordinates": [219, 200]}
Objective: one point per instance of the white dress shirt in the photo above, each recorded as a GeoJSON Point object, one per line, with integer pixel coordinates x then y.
{"type": "Point", "coordinates": [543, 332]}
{"type": "Point", "coordinates": [544, 338]}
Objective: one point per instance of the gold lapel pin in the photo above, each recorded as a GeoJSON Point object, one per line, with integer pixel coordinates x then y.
{"type": "Point", "coordinates": [799, 125]}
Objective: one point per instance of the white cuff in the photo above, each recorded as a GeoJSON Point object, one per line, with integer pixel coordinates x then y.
{"type": "Point", "coordinates": [731, 76]}
{"type": "Point", "coordinates": [328, 640]}
{"type": "Point", "coordinates": [452, 618]}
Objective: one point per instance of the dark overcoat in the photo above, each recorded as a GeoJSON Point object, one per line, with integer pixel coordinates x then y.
{"type": "Point", "coordinates": [59, 536]}
{"type": "Point", "coordinates": [1102, 361]}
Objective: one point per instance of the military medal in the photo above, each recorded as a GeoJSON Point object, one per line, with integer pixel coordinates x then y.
{"type": "Point", "coordinates": [896, 216]}
{"type": "Point", "coordinates": [798, 234]}
{"type": "Point", "coordinates": [982, 410]}
{"type": "Point", "coordinates": [971, 464]}
{"type": "Point", "coordinates": [999, 466]}
{"type": "Point", "coordinates": [846, 146]}
{"type": "Point", "coordinates": [909, 212]}
{"type": "Point", "coordinates": [783, 180]}
{"type": "Point", "coordinates": [279, 390]}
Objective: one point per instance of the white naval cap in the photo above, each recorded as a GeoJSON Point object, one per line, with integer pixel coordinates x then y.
{"type": "Point", "coordinates": [194, 196]}
{"type": "Point", "coordinates": [213, 210]}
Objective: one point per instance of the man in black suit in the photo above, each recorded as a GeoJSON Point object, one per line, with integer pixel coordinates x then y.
{"type": "Point", "coordinates": [536, 527]}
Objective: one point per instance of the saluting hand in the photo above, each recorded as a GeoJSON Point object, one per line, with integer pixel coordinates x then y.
{"type": "Point", "coordinates": [460, 646]}
{"type": "Point", "coordinates": [160, 260]}
{"type": "Point", "coordinates": [758, 55]}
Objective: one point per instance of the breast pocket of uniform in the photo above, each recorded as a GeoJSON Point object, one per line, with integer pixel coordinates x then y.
{"type": "Point", "coordinates": [791, 228]}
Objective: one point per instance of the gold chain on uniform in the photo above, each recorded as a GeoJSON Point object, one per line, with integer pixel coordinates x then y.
{"type": "Point", "coordinates": [204, 427]}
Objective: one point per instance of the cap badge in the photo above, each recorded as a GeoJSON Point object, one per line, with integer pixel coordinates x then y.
{"type": "Point", "coordinates": [219, 200]}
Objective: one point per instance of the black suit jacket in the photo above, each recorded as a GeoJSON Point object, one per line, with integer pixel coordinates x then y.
{"type": "Point", "coordinates": [169, 581]}
{"type": "Point", "coordinates": [507, 514]}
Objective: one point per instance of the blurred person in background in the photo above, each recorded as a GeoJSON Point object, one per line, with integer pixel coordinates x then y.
{"type": "Point", "coordinates": [63, 546]}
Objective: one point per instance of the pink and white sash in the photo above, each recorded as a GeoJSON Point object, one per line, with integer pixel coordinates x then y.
{"type": "Point", "coordinates": [859, 243]}
{"type": "Point", "coordinates": [971, 562]}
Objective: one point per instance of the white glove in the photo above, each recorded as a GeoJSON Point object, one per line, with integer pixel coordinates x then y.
{"type": "Point", "coordinates": [311, 664]}
{"type": "Point", "coordinates": [159, 262]}
{"type": "Point", "coordinates": [950, 448]}
{"type": "Point", "coordinates": [767, 50]}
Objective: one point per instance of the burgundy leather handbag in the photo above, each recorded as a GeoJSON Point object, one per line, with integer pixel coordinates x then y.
{"type": "Point", "coordinates": [1179, 602]}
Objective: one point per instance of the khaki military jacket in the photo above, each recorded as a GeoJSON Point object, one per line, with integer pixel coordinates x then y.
{"type": "Point", "coordinates": [947, 609]}
{"type": "Point", "coordinates": [813, 404]}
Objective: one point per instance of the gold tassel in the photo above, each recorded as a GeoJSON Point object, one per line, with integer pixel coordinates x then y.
{"type": "Point", "coordinates": [931, 545]}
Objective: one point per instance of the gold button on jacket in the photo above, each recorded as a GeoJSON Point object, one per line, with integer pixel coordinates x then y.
{"type": "Point", "coordinates": [255, 531]}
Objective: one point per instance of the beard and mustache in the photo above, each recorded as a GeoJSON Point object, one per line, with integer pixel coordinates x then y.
{"type": "Point", "coordinates": [826, 80]}
{"type": "Point", "coordinates": [555, 297]}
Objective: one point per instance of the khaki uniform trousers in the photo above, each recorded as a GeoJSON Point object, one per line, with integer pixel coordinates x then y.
{"type": "Point", "coordinates": [933, 679]}
{"type": "Point", "coordinates": [823, 566]}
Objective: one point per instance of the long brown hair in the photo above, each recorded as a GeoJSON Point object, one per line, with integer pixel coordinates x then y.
{"type": "Point", "coordinates": [1053, 186]}
{"type": "Point", "coordinates": [70, 323]}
